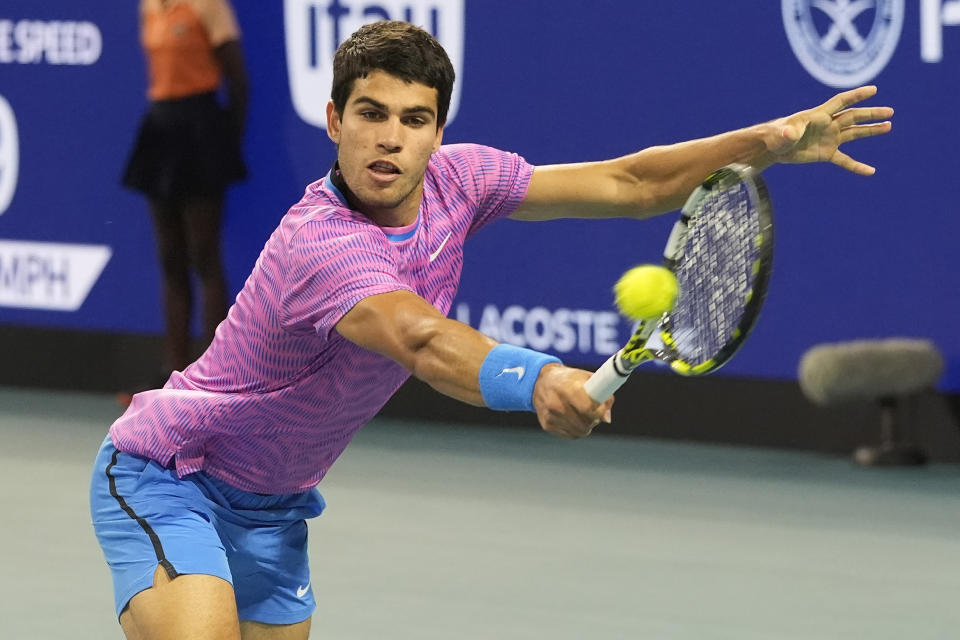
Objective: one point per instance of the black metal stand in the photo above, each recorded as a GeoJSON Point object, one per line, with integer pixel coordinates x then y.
{"type": "Point", "coordinates": [895, 448]}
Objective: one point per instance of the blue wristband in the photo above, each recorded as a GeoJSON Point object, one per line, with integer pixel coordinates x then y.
{"type": "Point", "coordinates": [508, 376]}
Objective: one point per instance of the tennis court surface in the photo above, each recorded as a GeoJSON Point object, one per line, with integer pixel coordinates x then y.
{"type": "Point", "coordinates": [446, 531]}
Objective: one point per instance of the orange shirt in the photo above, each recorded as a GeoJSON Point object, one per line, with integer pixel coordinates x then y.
{"type": "Point", "coordinates": [179, 37]}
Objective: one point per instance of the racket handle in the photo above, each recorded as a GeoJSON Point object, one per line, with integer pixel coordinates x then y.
{"type": "Point", "coordinates": [605, 380]}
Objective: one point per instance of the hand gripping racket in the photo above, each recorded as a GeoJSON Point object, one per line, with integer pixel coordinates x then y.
{"type": "Point", "coordinates": [721, 251]}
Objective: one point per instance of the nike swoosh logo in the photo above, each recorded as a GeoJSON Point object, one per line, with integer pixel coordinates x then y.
{"type": "Point", "coordinates": [517, 370]}
{"type": "Point", "coordinates": [433, 256]}
{"type": "Point", "coordinates": [302, 591]}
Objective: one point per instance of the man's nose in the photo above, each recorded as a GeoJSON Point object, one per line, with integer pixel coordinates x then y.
{"type": "Point", "coordinates": [391, 136]}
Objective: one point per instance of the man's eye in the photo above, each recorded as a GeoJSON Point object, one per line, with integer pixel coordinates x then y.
{"type": "Point", "coordinates": [369, 115]}
{"type": "Point", "coordinates": [416, 122]}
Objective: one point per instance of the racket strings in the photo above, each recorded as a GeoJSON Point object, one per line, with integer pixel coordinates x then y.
{"type": "Point", "coordinates": [715, 274]}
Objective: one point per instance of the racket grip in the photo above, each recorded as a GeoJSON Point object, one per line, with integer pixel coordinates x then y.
{"type": "Point", "coordinates": [605, 380]}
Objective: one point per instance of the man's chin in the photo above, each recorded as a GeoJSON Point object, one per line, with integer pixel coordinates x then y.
{"type": "Point", "coordinates": [380, 204]}
{"type": "Point", "coordinates": [379, 200]}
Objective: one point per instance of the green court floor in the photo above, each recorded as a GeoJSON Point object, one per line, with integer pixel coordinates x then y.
{"type": "Point", "coordinates": [450, 532]}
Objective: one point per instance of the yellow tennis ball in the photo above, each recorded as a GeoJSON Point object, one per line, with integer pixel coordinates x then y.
{"type": "Point", "coordinates": [646, 291]}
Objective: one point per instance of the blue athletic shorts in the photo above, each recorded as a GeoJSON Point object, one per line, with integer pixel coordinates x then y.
{"type": "Point", "coordinates": [145, 516]}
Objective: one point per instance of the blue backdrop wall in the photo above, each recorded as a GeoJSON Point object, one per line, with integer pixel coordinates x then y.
{"type": "Point", "coordinates": [554, 81]}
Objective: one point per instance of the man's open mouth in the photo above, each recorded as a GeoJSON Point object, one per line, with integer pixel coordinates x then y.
{"type": "Point", "coordinates": [381, 166]}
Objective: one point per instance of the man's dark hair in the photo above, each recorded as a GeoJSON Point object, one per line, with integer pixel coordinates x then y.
{"type": "Point", "coordinates": [400, 49]}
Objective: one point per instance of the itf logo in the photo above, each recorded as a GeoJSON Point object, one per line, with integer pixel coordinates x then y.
{"type": "Point", "coordinates": [315, 28]}
{"type": "Point", "coordinates": [843, 43]}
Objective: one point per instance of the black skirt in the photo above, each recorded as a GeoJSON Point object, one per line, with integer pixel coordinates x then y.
{"type": "Point", "coordinates": [185, 147]}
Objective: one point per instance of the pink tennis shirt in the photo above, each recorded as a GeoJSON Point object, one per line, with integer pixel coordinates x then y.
{"type": "Point", "coordinates": [279, 393]}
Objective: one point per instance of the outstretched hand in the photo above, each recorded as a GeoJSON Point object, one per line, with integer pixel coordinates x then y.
{"type": "Point", "coordinates": [815, 135]}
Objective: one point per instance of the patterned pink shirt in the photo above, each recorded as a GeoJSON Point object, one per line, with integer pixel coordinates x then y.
{"type": "Point", "coordinates": [279, 393]}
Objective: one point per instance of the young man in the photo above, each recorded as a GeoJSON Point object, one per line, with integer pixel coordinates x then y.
{"type": "Point", "coordinates": [200, 492]}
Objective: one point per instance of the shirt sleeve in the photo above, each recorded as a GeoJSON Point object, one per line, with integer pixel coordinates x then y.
{"type": "Point", "coordinates": [494, 181]}
{"type": "Point", "coordinates": [220, 21]}
{"type": "Point", "coordinates": [333, 265]}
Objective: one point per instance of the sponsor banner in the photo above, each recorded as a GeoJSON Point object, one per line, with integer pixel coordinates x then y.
{"type": "Point", "coordinates": [50, 42]}
{"type": "Point", "coordinates": [49, 275]}
{"type": "Point", "coordinates": [313, 29]}
{"type": "Point", "coordinates": [555, 82]}
{"type": "Point", "coordinates": [582, 332]}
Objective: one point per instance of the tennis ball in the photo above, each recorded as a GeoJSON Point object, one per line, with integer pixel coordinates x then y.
{"type": "Point", "coordinates": [646, 291]}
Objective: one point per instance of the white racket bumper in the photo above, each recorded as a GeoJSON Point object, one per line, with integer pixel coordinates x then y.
{"type": "Point", "coordinates": [606, 380]}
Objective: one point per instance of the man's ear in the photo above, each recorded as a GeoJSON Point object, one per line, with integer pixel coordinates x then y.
{"type": "Point", "coordinates": [438, 140]}
{"type": "Point", "coordinates": [333, 123]}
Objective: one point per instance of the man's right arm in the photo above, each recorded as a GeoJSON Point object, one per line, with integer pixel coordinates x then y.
{"type": "Point", "coordinates": [448, 355]}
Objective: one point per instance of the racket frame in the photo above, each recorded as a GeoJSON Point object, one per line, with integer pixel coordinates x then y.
{"type": "Point", "coordinates": [614, 372]}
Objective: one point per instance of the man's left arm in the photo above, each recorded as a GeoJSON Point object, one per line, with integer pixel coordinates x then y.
{"type": "Point", "coordinates": [659, 179]}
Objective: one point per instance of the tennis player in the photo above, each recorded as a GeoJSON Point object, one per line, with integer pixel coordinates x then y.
{"type": "Point", "coordinates": [201, 490]}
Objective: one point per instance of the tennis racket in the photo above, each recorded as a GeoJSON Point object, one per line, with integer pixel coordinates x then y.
{"type": "Point", "coordinates": [721, 251]}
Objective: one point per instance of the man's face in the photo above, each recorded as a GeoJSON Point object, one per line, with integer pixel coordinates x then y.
{"type": "Point", "coordinates": [385, 135]}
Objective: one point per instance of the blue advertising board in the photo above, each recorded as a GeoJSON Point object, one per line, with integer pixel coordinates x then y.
{"type": "Point", "coordinates": [558, 81]}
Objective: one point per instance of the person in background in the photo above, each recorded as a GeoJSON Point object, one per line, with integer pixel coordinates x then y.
{"type": "Point", "coordinates": [187, 151]}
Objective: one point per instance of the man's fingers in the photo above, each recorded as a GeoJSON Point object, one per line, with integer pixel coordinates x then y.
{"type": "Point", "coordinates": [587, 419]}
{"type": "Point", "coordinates": [607, 409]}
{"type": "Point", "coordinates": [843, 160]}
{"type": "Point", "coordinates": [843, 100]}
{"type": "Point", "coordinates": [571, 425]}
{"type": "Point", "coordinates": [558, 426]}
{"type": "Point", "coordinates": [849, 117]}
{"type": "Point", "coordinates": [863, 131]}
{"type": "Point", "coordinates": [601, 413]}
